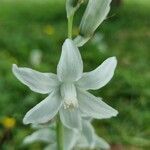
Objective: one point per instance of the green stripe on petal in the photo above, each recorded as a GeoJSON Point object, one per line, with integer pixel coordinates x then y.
{"type": "Point", "coordinates": [70, 66]}
{"type": "Point", "coordinates": [98, 77]}
{"type": "Point", "coordinates": [45, 110]}
{"type": "Point", "coordinates": [38, 82]}
{"type": "Point", "coordinates": [94, 107]}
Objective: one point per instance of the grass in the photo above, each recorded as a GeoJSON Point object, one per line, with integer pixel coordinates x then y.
{"type": "Point", "coordinates": [28, 25]}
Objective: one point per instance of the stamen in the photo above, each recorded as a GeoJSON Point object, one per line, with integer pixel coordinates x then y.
{"type": "Point", "coordinates": [70, 103]}
{"type": "Point", "coordinates": [68, 93]}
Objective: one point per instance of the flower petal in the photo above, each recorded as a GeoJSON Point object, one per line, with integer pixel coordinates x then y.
{"type": "Point", "coordinates": [94, 107]}
{"type": "Point", "coordinates": [42, 135]}
{"type": "Point", "coordinates": [51, 147]}
{"type": "Point", "coordinates": [88, 132]}
{"type": "Point", "coordinates": [98, 77]}
{"type": "Point", "coordinates": [38, 82]}
{"type": "Point", "coordinates": [81, 40]}
{"type": "Point", "coordinates": [82, 143]}
{"type": "Point", "coordinates": [93, 140]}
{"type": "Point", "coordinates": [70, 118]}
{"type": "Point", "coordinates": [94, 15]}
{"type": "Point", "coordinates": [45, 110]}
{"type": "Point", "coordinates": [101, 143]}
{"type": "Point", "coordinates": [70, 138]}
{"type": "Point", "coordinates": [70, 66]}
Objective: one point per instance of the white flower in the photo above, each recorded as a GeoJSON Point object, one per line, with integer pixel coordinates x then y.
{"type": "Point", "coordinates": [94, 15]}
{"type": "Point", "coordinates": [67, 90]}
{"type": "Point", "coordinates": [48, 136]}
{"type": "Point", "coordinates": [73, 139]}
{"type": "Point", "coordinates": [88, 139]}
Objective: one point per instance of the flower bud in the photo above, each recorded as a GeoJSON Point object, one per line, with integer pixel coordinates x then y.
{"type": "Point", "coordinates": [94, 15]}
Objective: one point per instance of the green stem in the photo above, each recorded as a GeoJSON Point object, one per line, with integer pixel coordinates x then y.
{"type": "Point", "coordinates": [70, 24]}
{"type": "Point", "coordinates": [59, 134]}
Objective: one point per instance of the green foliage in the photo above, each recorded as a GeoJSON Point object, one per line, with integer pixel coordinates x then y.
{"type": "Point", "coordinates": [28, 25]}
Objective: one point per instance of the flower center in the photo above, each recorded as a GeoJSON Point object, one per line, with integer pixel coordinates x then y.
{"type": "Point", "coordinates": [69, 95]}
{"type": "Point", "coordinates": [70, 103]}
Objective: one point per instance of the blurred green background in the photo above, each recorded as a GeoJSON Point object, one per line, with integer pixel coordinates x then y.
{"type": "Point", "coordinates": [31, 35]}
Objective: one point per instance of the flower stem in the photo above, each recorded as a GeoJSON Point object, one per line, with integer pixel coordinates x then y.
{"type": "Point", "coordinates": [59, 134]}
{"type": "Point", "coordinates": [70, 24]}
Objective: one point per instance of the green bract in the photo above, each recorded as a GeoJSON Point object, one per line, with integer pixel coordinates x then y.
{"type": "Point", "coordinates": [94, 15]}
{"type": "Point", "coordinates": [67, 90]}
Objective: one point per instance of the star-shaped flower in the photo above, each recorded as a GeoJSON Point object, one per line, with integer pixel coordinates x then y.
{"type": "Point", "coordinates": [67, 91]}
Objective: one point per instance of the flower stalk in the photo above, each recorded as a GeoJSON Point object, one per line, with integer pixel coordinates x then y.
{"type": "Point", "coordinates": [59, 124]}
{"type": "Point", "coordinates": [70, 25]}
{"type": "Point", "coordinates": [59, 131]}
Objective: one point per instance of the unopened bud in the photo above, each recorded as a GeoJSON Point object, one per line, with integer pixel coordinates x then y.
{"type": "Point", "coordinates": [94, 15]}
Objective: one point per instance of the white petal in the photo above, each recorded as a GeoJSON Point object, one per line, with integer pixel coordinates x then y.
{"type": "Point", "coordinates": [94, 107]}
{"type": "Point", "coordinates": [51, 147]}
{"type": "Point", "coordinates": [82, 143]}
{"type": "Point", "coordinates": [100, 76]}
{"type": "Point", "coordinates": [68, 91]}
{"type": "Point", "coordinates": [93, 140]}
{"type": "Point", "coordinates": [70, 118]}
{"type": "Point", "coordinates": [42, 135]}
{"type": "Point", "coordinates": [70, 66]}
{"type": "Point", "coordinates": [81, 40]}
{"type": "Point", "coordinates": [45, 110]}
{"type": "Point", "coordinates": [87, 118]}
{"type": "Point", "coordinates": [36, 81]}
{"type": "Point", "coordinates": [94, 15]}
{"type": "Point", "coordinates": [101, 143]}
{"type": "Point", "coordinates": [88, 132]}
{"type": "Point", "coordinates": [70, 138]}
{"type": "Point", "coordinates": [50, 124]}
